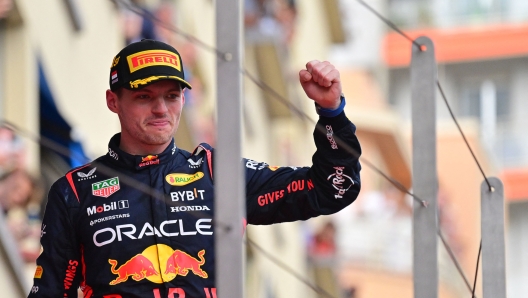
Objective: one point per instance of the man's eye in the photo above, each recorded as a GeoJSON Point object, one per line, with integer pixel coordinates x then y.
{"type": "Point", "coordinates": [143, 96]}
{"type": "Point", "coordinates": [173, 96]}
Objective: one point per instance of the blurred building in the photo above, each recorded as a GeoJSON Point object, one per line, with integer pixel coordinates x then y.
{"type": "Point", "coordinates": [482, 66]}
{"type": "Point", "coordinates": [59, 53]}
{"type": "Point", "coordinates": [481, 57]}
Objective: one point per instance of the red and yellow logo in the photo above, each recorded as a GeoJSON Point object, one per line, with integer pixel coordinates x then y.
{"type": "Point", "coordinates": [153, 58]}
{"type": "Point", "coordinates": [38, 272]}
{"type": "Point", "coordinates": [158, 263]}
{"type": "Point", "coordinates": [115, 61]}
{"type": "Point", "coordinates": [149, 160]}
{"type": "Point", "coordinates": [180, 179]}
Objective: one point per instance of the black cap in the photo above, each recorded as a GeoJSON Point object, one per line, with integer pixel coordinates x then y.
{"type": "Point", "coordinates": [144, 62]}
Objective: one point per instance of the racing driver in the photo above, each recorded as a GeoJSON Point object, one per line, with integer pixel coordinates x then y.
{"type": "Point", "coordinates": [138, 221]}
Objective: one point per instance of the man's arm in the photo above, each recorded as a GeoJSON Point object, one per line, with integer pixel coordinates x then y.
{"type": "Point", "coordinates": [59, 268]}
{"type": "Point", "coordinates": [332, 182]}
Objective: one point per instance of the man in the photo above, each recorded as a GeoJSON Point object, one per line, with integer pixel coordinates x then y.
{"type": "Point", "coordinates": [154, 237]}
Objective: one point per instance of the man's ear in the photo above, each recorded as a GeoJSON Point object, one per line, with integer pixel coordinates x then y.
{"type": "Point", "coordinates": [111, 101]}
{"type": "Point", "coordinates": [183, 98]}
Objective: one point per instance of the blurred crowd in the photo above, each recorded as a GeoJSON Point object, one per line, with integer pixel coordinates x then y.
{"type": "Point", "coordinates": [271, 18]}
{"type": "Point", "coordinates": [157, 22]}
{"type": "Point", "coordinates": [21, 195]}
{"type": "Point", "coordinates": [5, 7]}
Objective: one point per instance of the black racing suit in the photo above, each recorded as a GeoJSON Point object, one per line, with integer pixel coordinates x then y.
{"type": "Point", "coordinates": [141, 226]}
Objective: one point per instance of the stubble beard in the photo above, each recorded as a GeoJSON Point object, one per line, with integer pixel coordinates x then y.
{"type": "Point", "coordinates": [159, 137]}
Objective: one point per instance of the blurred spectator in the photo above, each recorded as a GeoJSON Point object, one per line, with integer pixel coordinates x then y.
{"type": "Point", "coordinates": [135, 26]}
{"type": "Point", "coordinates": [323, 244]}
{"type": "Point", "coordinates": [5, 7]}
{"type": "Point", "coordinates": [12, 153]}
{"type": "Point", "coordinates": [20, 195]}
{"type": "Point", "coordinates": [274, 18]}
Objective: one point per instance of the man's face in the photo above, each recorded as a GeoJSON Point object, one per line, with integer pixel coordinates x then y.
{"type": "Point", "coordinates": [149, 116]}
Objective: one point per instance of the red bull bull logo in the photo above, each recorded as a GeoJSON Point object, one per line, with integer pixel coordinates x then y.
{"type": "Point", "coordinates": [158, 263]}
{"type": "Point", "coordinates": [180, 263]}
{"type": "Point", "coordinates": [139, 267]}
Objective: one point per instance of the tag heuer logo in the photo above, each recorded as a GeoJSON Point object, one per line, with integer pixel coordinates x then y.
{"type": "Point", "coordinates": [106, 187]}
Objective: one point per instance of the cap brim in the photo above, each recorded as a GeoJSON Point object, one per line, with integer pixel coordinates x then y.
{"type": "Point", "coordinates": [141, 83]}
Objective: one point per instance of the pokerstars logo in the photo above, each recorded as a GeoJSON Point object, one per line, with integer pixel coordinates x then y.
{"type": "Point", "coordinates": [123, 204]}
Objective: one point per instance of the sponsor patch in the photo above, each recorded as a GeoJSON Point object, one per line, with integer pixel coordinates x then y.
{"type": "Point", "coordinates": [292, 187]}
{"type": "Point", "coordinates": [86, 176]}
{"type": "Point", "coordinates": [122, 204]}
{"type": "Point", "coordinates": [153, 58]}
{"type": "Point", "coordinates": [106, 187]}
{"type": "Point", "coordinates": [189, 208]}
{"type": "Point", "coordinates": [180, 179]}
{"type": "Point", "coordinates": [39, 271]}
{"type": "Point", "coordinates": [340, 182]}
{"type": "Point", "coordinates": [195, 164]}
{"type": "Point", "coordinates": [110, 217]}
{"type": "Point", "coordinates": [167, 228]}
{"type": "Point", "coordinates": [159, 263]}
{"type": "Point", "coordinates": [115, 61]}
{"type": "Point", "coordinates": [187, 195]}
{"type": "Point", "coordinates": [70, 274]}
{"type": "Point", "coordinates": [255, 165]}
{"type": "Point", "coordinates": [113, 154]}
{"type": "Point", "coordinates": [330, 137]}
{"type": "Point", "coordinates": [149, 160]}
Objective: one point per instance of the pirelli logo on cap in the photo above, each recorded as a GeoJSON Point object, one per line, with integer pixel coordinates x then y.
{"type": "Point", "coordinates": [153, 58]}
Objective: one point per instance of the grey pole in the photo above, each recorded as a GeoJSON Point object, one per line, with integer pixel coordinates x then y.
{"type": "Point", "coordinates": [425, 185]}
{"type": "Point", "coordinates": [228, 173]}
{"type": "Point", "coordinates": [493, 247]}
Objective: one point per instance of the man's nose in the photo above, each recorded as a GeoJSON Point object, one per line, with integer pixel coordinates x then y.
{"type": "Point", "coordinates": [159, 105]}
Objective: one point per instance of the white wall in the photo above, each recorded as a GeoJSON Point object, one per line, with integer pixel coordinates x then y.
{"type": "Point", "coordinates": [76, 63]}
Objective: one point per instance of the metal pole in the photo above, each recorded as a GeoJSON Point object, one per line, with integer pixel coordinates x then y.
{"type": "Point", "coordinates": [493, 247]}
{"type": "Point", "coordinates": [228, 173]}
{"type": "Point", "coordinates": [425, 185]}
